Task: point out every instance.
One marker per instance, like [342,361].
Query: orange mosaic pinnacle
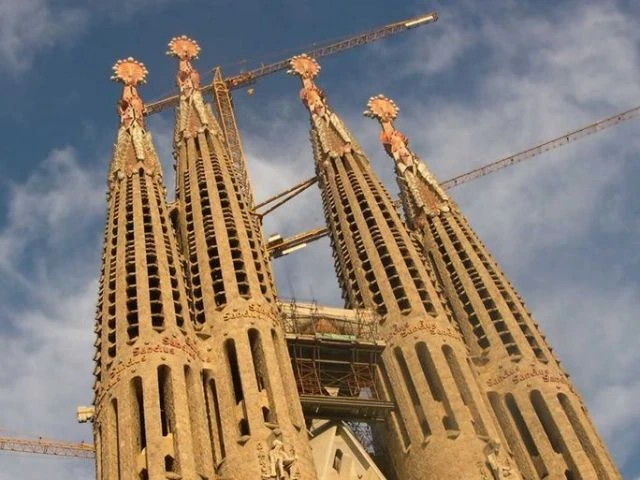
[202,373]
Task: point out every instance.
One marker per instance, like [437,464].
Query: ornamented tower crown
[255,417]
[441,428]
[540,414]
[148,394]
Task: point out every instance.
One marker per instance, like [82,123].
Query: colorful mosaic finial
[381,108]
[184,48]
[129,71]
[304,66]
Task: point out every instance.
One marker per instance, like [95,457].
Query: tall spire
[441,428]
[148,396]
[541,415]
[255,415]
[421,193]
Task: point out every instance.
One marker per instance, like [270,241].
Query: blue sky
[483,82]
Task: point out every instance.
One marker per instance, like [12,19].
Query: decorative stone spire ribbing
[254,417]
[541,415]
[442,428]
[148,394]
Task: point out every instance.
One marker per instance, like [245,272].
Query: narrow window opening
[547,421]
[583,436]
[463,389]
[413,393]
[243,426]
[337,460]
[165,394]
[435,385]
[214,401]
[525,435]
[140,437]
[169,464]
[232,360]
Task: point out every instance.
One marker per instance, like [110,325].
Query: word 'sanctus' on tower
[253,409]
[541,416]
[148,396]
[441,428]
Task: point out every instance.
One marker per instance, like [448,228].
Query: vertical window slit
[236,384]
[413,393]
[521,456]
[213,415]
[261,373]
[140,436]
[525,435]
[583,437]
[436,387]
[167,413]
[463,388]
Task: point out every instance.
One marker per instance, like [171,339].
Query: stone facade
[148,395]
[542,417]
[442,427]
[193,376]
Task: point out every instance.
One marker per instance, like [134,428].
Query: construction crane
[250,77]
[278,246]
[221,87]
[47,447]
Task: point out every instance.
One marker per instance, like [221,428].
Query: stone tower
[149,400]
[253,409]
[442,428]
[539,411]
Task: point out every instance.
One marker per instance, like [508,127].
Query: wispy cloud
[30,26]
[48,263]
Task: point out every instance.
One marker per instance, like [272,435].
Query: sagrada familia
[434,370]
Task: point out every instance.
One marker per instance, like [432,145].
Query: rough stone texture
[542,417]
[442,427]
[193,377]
[148,397]
[256,419]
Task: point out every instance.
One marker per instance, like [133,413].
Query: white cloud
[47,337]
[29,26]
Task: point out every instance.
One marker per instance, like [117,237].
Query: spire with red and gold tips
[254,404]
[539,411]
[441,427]
[149,400]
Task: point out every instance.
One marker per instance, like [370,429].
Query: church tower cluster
[194,376]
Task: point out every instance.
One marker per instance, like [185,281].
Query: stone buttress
[149,399]
[253,409]
[542,417]
[442,428]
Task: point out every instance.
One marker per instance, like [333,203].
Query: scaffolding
[335,355]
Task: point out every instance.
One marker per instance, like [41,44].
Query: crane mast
[223,106]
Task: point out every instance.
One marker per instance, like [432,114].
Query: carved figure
[280,463]
[130,72]
[499,471]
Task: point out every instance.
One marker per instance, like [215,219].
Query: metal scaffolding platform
[335,355]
